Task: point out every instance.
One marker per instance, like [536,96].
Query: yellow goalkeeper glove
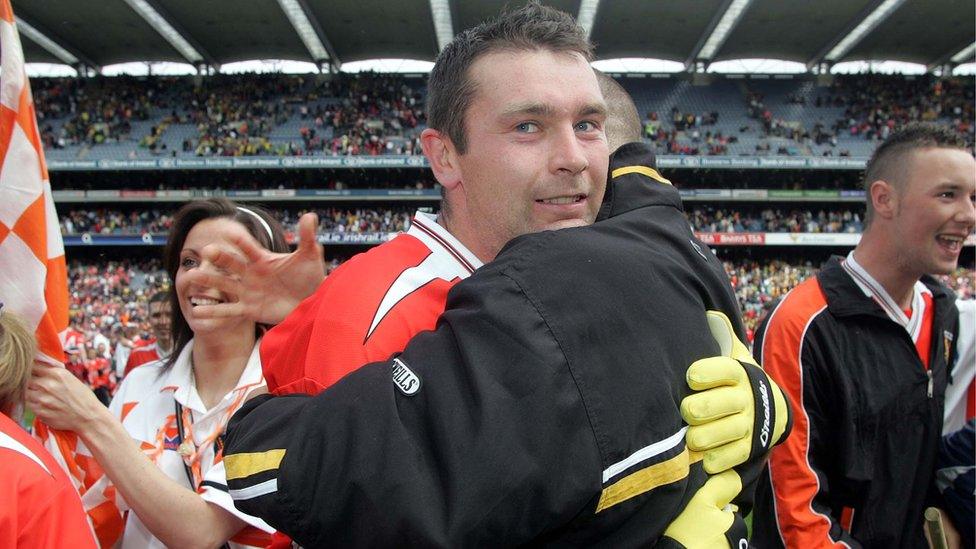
[709,520]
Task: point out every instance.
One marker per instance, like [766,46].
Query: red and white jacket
[367,309]
[39,507]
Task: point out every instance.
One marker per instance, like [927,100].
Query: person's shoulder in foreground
[366,309]
[39,507]
[543,409]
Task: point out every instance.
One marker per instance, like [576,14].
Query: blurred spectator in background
[100,376]
[160,317]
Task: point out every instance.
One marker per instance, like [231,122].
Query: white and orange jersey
[74,341]
[154,406]
[143,355]
[367,309]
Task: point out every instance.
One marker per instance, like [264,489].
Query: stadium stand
[704,218]
[371,114]
[773,220]
[241,115]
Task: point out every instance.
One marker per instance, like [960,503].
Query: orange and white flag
[33,276]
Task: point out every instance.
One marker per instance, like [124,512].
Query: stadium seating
[757,116]
[705,218]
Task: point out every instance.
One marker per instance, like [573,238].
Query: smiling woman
[195,226]
[156,443]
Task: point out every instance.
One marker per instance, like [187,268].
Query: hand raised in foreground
[268,285]
[61,400]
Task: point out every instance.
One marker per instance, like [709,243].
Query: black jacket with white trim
[868,413]
[543,409]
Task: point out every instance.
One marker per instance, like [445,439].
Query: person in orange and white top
[39,507]
[157,441]
[99,376]
[160,317]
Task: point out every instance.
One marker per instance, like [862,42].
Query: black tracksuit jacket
[866,429]
[543,409]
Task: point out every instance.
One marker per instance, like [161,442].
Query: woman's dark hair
[185,219]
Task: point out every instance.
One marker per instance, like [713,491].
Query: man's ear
[443,157]
[884,198]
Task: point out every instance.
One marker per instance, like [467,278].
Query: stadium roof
[216,32]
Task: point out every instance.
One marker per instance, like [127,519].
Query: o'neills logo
[764,434]
[404,378]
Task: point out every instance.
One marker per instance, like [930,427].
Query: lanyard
[188,449]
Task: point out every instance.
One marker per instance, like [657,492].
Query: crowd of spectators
[235,115]
[758,284]
[793,130]
[353,220]
[158,221]
[109,221]
[962,281]
[389,219]
[876,104]
[373,114]
[696,128]
[95,111]
[108,304]
[774,220]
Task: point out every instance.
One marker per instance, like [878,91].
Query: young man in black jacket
[863,351]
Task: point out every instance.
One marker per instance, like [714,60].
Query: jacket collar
[846,298]
[424,226]
[634,182]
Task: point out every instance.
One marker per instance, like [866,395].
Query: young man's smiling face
[935,211]
[536,155]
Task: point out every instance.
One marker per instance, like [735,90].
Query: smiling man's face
[935,211]
[536,156]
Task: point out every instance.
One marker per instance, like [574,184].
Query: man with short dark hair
[160,317]
[863,350]
[543,409]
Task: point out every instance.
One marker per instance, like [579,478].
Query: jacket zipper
[929,374]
